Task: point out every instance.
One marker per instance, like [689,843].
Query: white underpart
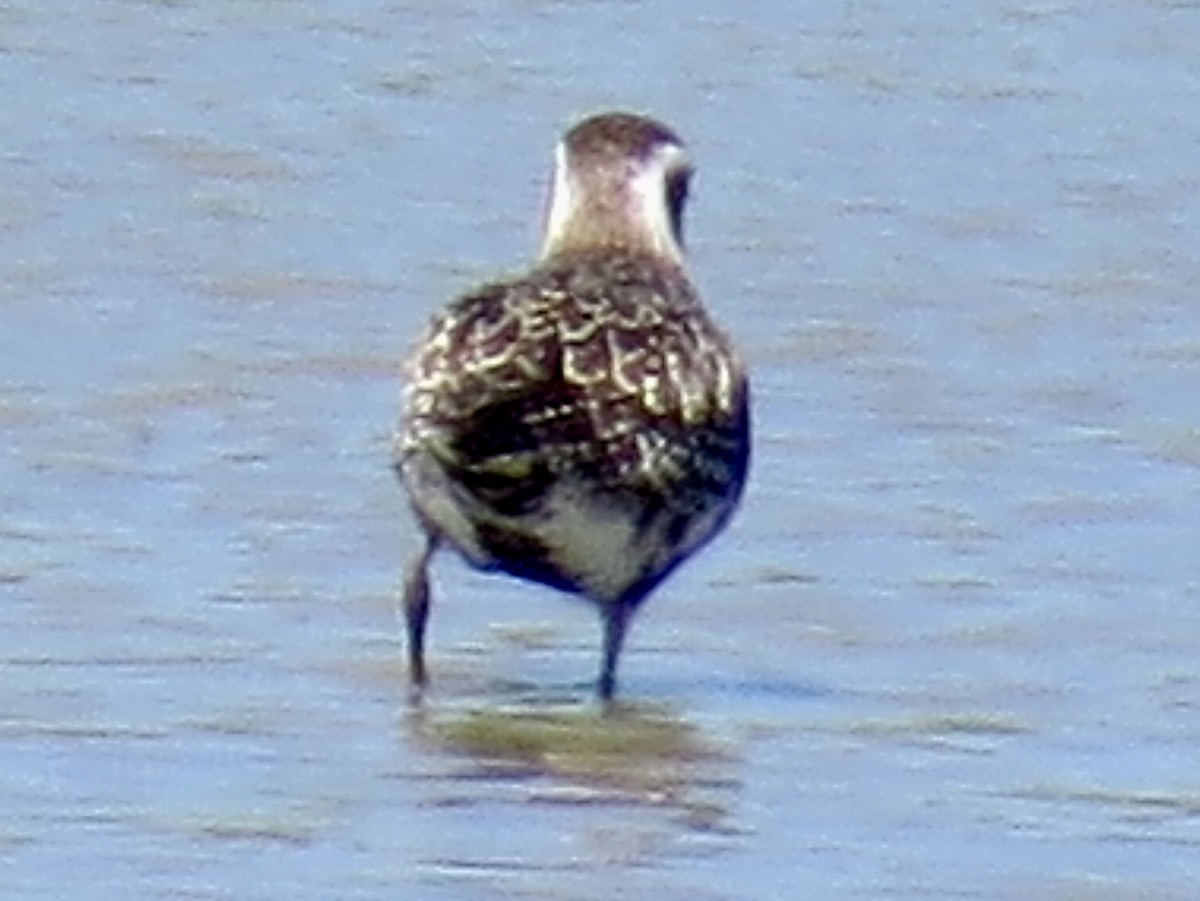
[585,535]
[594,541]
[598,543]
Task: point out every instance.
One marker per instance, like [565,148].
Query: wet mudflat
[948,649]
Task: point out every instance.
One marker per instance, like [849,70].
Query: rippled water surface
[948,649]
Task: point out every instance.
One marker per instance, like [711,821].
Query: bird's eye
[677,190]
[676,197]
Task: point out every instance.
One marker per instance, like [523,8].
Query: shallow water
[946,650]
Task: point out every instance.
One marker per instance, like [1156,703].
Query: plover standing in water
[586,425]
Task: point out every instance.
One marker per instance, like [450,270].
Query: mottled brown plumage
[585,426]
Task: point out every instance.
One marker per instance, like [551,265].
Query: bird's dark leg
[416,610]
[616,620]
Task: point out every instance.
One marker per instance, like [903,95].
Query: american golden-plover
[585,425]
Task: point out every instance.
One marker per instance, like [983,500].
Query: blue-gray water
[948,649]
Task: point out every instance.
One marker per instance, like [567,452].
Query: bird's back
[585,426]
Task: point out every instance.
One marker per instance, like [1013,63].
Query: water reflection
[538,752]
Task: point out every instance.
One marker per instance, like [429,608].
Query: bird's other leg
[616,621]
[416,610]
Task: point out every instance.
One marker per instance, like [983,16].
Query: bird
[584,425]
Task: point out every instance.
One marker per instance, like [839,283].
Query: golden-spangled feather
[602,365]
